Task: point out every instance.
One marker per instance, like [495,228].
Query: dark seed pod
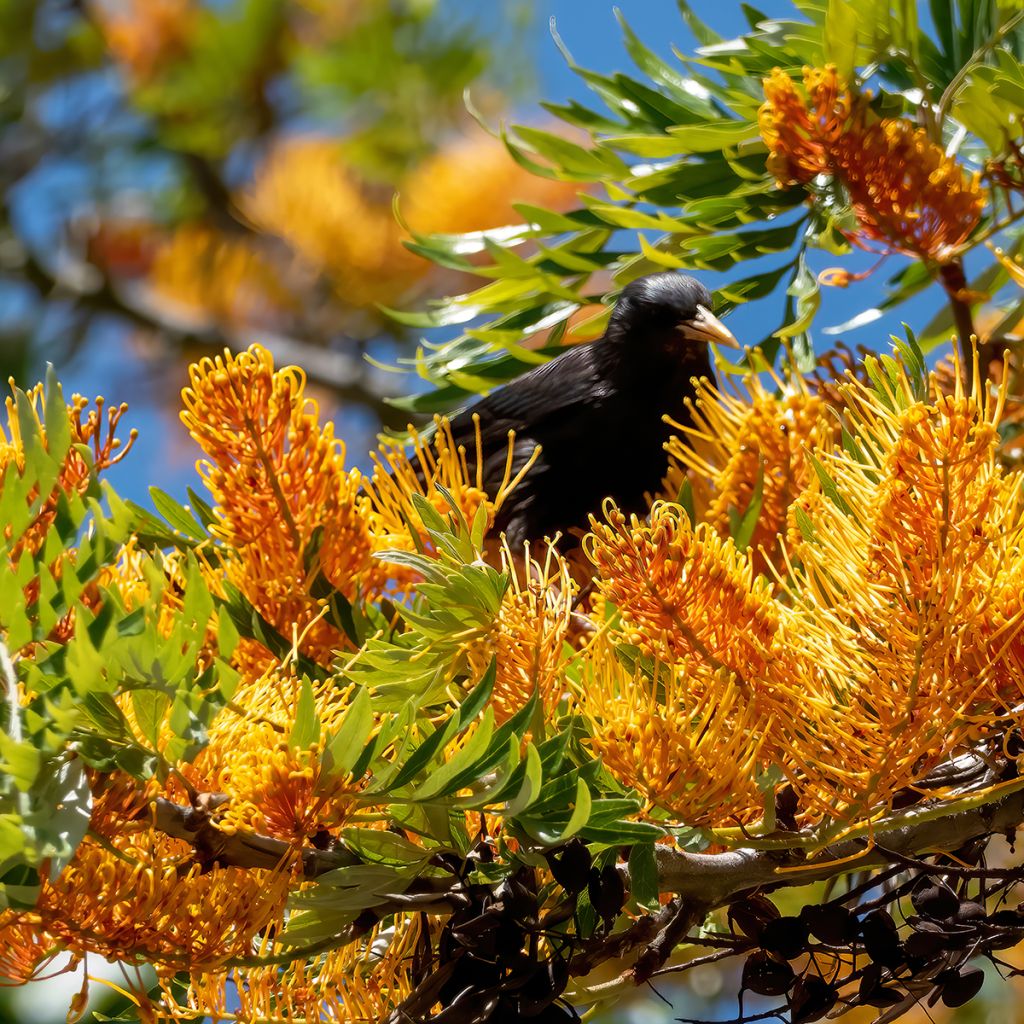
[786,936]
[962,986]
[928,939]
[935,901]
[571,867]
[881,940]
[607,892]
[873,993]
[811,999]
[969,911]
[1006,919]
[751,915]
[786,807]
[766,976]
[833,925]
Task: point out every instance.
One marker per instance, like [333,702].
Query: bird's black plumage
[596,411]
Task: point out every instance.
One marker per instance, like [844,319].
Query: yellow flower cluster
[279,481]
[306,193]
[894,636]
[739,440]
[903,188]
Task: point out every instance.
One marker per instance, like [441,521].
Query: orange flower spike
[277,476]
[689,740]
[149,898]
[903,188]
[799,132]
[735,439]
[683,592]
[905,191]
[529,636]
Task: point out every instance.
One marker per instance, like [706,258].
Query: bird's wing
[530,404]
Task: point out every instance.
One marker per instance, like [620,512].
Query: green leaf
[643,875]
[306,729]
[344,747]
[580,811]
[177,515]
[745,526]
[841,26]
[531,786]
[828,485]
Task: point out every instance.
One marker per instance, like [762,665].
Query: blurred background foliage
[203,172]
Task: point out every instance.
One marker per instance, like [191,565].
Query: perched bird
[596,411]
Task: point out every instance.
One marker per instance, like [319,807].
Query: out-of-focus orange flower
[205,272]
[903,188]
[144,34]
[305,193]
[279,479]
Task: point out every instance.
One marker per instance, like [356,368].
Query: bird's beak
[705,326]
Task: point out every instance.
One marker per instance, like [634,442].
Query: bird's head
[668,302]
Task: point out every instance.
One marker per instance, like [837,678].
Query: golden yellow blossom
[433,464]
[26,950]
[887,619]
[737,440]
[683,591]
[231,279]
[142,894]
[904,190]
[279,478]
[360,982]
[686,735]
[273,787]
[530,634]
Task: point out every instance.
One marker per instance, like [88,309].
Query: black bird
[596,411]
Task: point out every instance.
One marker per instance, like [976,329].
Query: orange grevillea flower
[26,950]
[800,132]
[687,736]
[529,636]
[227,278]
[279,480]
[897,590]
[274,787]
[361,981]
[93,428]
[905,191]
[683,591]
[433,464]
[903,188]
[142,894]
[736,441]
